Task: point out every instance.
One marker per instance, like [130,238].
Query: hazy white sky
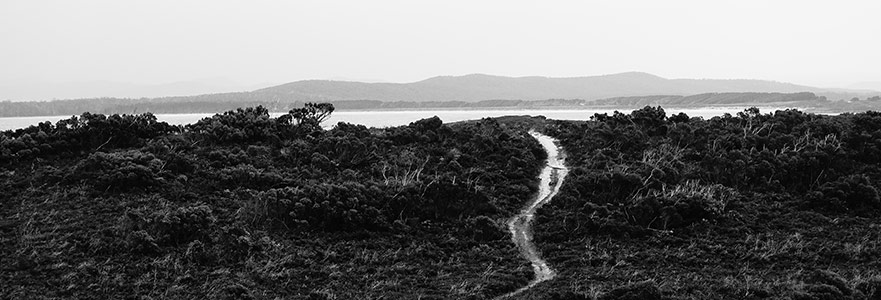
[822,43]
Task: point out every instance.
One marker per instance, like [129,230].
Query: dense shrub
[821,284]
[119,171]
[854,192]
[646,166]
[870,287]
[645,290]
[82,134]
[350,206]
[248,125]
[680,206]
[171,225]
[343,206]
[483,229]
[247,176]
[140,241]
[568,295]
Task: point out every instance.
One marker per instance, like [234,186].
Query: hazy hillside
[477,91]
[485,87]
[35,90]
[874,86]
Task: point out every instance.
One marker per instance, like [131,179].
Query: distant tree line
[274,103]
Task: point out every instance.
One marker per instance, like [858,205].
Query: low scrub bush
[171,226]
[645,290]
[327,206]
[246,175]
[853,192]
[680,205]
[119,171]
[484,229]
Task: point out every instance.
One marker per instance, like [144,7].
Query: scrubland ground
[753,206]
[241,205]
[244,206]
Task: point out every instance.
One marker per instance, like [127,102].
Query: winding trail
[551,177]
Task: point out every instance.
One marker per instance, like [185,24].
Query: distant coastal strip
[388,118]
[223,102]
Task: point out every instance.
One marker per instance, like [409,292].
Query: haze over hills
[40,90]
[873,86]
[467,88]
[479,91]
[477,87]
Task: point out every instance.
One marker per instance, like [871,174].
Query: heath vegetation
[241,205]
[782,205]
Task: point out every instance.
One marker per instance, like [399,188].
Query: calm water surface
[395,118]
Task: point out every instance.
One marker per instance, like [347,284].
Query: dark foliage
[646,290]
[733,207]
[120,171]
[852,192]
[653,172]
[244,205]
[81,134]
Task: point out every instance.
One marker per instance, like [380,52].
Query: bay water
[397,118]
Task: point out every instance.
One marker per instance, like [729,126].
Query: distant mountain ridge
[479,91]
[478,87]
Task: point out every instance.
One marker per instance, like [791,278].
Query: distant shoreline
[222,103]
[396,117]
[453,109]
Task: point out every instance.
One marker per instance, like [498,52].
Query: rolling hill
[477,91]
[477,87]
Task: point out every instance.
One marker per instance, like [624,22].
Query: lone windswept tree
[311,113]
[308,118]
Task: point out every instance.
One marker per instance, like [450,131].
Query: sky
[818,43]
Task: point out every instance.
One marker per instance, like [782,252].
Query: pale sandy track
[551,177]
